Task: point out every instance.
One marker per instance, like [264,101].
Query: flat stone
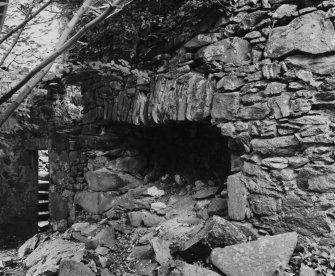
[225,107]
[230,50]
[275,162]
[79,226]
[28,246]
[280,106]
[158,206]
[323,183]
[5,262]
[104,180]
[73,268]
[274,88]
[237,197]
[101,250]
[205,193]
[308,223]
[186,269]
[221,233]
[93,202]
[155,192]
[257,111]
[47,256]
[135,218]
[250,20]
[297,161]
[162,251]
[106,238]
[310,33]
[230,83]
[322,65]
[307,271]
[202,40]
[285,145]
[261,257]
[285,10]
[264,205]
[151,220]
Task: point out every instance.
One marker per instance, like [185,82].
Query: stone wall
[264,76]
[18,191]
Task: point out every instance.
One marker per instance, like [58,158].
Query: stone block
[237,197]
[225,107]
[311,33]
[202,40]
[257,111]
[230,50]
[261,257]
[264,205]
[93,202]
[185,269]
[279,146]
[74,268]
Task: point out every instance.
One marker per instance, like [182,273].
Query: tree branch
[42,72]
[25,22]
[11,47]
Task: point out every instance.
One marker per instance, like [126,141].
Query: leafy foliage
[143,28]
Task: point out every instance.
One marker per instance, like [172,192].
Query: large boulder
[103,180]
[94,202]
[311,33]
[47,256]
[262,257]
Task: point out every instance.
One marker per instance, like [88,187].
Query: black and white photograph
[167,137]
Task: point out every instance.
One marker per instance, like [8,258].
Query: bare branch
[25,22]
[41,71]
[11,47]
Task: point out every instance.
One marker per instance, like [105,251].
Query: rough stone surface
[310,33]
[74,268]
[104,180]
[225,106]
[202,40]
[237,197]
[262,257]
[193,270]
[94,202]
[28,246]
[229,50]
[47,256]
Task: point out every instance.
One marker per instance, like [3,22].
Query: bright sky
[38,39]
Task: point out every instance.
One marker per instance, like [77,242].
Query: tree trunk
[29,82]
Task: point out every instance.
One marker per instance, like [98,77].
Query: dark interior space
[194,151]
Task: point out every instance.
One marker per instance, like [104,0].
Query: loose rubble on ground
[159,229]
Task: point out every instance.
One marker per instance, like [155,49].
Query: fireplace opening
[194,151]
[43,190]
